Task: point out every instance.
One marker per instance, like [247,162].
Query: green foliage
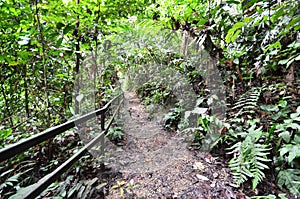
[278,111]
[289,178]
[248,143]
[71,188]
[206,134]
[173,118]
[153,92]
[246,106]
[125,186]
[251,147]
[4,133]
[233,33]
[39,43]
[293,52]
[288,148]
[291,151]
[13,179]
[290,127]
[115,133]
[204,122]
[281,196]
[250,157]
[268,31]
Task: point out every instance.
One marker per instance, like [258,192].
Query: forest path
[155,163]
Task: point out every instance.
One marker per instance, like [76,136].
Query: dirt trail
[155,163]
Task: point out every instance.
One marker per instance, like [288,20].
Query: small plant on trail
[125,186]
[172,119]
[206,134]
[115,134]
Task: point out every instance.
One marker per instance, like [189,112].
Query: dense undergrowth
[256,45]
[259,135]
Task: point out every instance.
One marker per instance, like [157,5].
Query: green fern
[250,154]
[259,157]
[248,102]
[250,158]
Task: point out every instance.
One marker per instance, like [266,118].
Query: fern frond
[258,163]
[247,103]
[250,160]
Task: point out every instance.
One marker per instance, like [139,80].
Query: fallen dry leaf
[201,177]
[199,166]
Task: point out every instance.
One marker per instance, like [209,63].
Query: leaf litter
[154,163]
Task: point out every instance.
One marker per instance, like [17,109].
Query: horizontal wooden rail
[42,184]
[13,149]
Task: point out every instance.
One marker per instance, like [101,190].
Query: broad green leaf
[294,153]
[285,149]
[278,14]
[294,126]
[297,19]
[283,62]
[276,45]
[282,103]
[22,192]
[236,34]
[295,45]
[285,136]
[232,32]
[4,133]
[238,25]
[296,139]
[290,62]
[270,108]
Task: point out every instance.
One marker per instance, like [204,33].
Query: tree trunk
[6,106]
[44,63]
[77,64]
[26,92]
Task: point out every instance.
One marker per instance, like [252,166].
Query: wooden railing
[13,149]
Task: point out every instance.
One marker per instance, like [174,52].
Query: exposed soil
[154,163]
